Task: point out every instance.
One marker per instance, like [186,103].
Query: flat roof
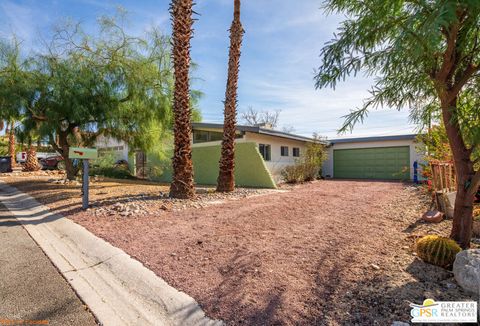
[254,129]
[372,139]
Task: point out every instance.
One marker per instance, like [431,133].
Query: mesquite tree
[423,55]
[226,176]
[110,83]
[182,179]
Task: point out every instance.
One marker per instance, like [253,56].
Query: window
[215,136]
[265,151]
[203,136]
[296,152]
[200,136]
[284,150]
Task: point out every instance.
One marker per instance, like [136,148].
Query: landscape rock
[433,217]
[400,323]
[374,266]
[466,270]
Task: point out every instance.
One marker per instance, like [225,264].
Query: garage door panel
[372,163]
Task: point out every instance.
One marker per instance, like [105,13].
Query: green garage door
[372,163]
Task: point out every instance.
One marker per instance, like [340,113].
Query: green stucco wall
[250,168]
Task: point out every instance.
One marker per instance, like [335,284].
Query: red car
[52,163]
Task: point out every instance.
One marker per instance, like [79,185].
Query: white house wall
[277,162]
[327,169]
[118,147]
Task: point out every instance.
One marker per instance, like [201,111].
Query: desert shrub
[105,160]
[436,250]
[310,171]
[3,146]
[292,174]
[309,166]
[105,166]
[115,172]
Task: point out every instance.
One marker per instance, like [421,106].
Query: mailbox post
[85,154]
[85,184]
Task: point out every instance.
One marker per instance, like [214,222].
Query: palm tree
[26,134]
[226,177]
[182,181]
[31,163]
[11,144]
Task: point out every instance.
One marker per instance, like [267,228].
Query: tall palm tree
[182,181]
[226,177]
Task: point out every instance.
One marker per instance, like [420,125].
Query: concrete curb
[118,289]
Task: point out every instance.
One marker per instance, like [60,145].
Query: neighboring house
[278,149]
[109,145]
[120,150]
[386,157]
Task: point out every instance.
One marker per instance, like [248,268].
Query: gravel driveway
[323,253]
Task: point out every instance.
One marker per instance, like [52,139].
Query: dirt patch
[324,253]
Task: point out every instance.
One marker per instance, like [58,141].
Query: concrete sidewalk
[31,288]
[118,289]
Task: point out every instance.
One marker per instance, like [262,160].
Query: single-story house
[262,153]
[385,157]
[277,149]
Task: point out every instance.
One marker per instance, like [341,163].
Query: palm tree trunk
[11,145]
[182,181]
[226,176]
[31,163]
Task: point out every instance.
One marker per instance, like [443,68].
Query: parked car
[22,156]
[52,162]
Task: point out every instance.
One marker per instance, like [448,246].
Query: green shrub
[308,167]
[105,166]
[3,146]
[436,250]
[292,174]
[112,172]
[310,171]
[105,160]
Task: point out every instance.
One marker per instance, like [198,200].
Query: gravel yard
[113,197]
[324,253]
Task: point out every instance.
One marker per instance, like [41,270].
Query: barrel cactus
[436,250]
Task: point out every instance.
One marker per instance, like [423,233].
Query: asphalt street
[32,291]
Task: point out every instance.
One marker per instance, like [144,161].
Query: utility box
[5,164]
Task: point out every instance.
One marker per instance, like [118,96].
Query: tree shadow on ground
[381,299]
[234,293]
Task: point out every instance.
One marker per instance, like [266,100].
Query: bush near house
[309,166]
[107,166]
[4,146]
